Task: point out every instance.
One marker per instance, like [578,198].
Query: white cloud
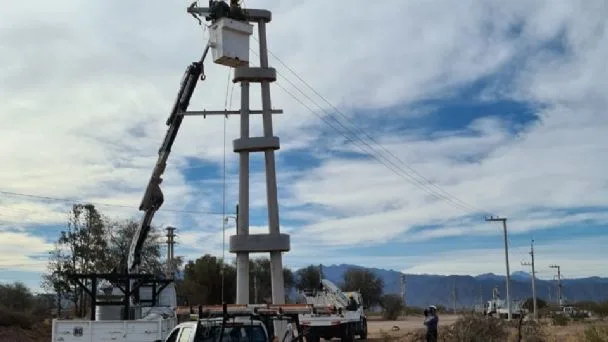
[22,251]
[578,258]
[86,103]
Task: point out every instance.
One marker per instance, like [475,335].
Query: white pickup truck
[246,323]
[210,330]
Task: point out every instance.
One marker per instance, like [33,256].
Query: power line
[440,193]
[67,200]
[369,136]
[394,168]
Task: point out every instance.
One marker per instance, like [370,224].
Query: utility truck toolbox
[125,331]
[229,42]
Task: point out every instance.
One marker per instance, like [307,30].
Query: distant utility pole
[504,226]
[403,292]
[170,267]
[560,301]
[533,278]
[454,297]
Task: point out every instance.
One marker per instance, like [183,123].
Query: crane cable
[224,186]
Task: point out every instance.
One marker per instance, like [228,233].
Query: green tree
[202,283]
[366,282]
[16,297]
[81,248]
[392,306]
[120,233]
[308,277]
[92,243]
[259,270]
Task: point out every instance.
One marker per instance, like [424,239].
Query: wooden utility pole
[504,227]
[533,279]
[403,289]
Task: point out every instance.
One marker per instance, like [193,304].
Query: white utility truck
[149,323]
[154,330]
[498,307]
[331,316]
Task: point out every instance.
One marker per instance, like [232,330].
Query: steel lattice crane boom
[153,196]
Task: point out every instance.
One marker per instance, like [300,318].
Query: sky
[405,124]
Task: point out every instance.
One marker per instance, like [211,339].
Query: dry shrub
[595,333]
[559,320]
[10,318]
[475,328]
[532,332]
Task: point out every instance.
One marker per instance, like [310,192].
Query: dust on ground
[379,330]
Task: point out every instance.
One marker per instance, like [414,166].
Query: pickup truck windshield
[241,333]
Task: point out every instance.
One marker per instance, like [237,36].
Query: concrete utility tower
[508,274]
[229,40]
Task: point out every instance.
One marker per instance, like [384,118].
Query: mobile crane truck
[331,316]
[142,307]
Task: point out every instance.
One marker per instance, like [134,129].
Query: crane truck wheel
[363,334]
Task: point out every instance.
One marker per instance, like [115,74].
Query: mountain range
[424,290]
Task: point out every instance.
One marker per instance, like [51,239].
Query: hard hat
[433,307]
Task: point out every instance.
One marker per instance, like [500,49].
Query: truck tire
[347,333]
[363,331]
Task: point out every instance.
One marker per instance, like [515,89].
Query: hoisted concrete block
[229,42]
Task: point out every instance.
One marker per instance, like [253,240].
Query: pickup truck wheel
[363,334]
[348,333]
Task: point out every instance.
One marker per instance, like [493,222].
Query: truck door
[184,335]
[173,336]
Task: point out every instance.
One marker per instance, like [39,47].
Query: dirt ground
[378,328]
[411,329]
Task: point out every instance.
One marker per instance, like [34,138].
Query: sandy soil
[409,324]
[406,324]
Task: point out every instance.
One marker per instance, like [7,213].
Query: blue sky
[500,105]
